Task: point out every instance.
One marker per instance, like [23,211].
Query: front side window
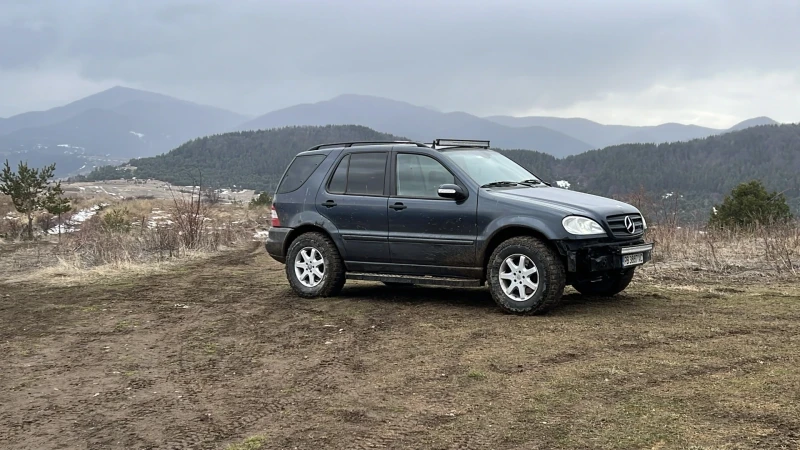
[487,166]
[359,174]
[420,176]
[298,172]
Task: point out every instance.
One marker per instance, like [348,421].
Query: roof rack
[460,143]
[350,144]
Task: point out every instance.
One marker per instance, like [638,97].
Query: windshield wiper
[533,181]
[500,184]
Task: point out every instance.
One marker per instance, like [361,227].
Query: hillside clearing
[220,350]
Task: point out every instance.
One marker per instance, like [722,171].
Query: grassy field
[218,352]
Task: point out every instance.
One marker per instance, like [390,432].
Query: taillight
[276,222]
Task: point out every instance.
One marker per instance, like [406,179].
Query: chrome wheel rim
[519,277]
[309,267]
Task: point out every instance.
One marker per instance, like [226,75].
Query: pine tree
[748,204]
[29,189]
[57,205]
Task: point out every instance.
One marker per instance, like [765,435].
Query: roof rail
[460,143]
[350,144]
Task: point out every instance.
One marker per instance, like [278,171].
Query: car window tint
[338,182]
[366,173]
[420,176]
[299,170]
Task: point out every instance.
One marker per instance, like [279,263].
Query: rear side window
[298,172]
[359,174]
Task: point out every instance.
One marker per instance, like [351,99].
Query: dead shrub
[760,247]
[189,214]
[11,229]
[45,221]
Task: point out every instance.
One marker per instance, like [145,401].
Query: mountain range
[121,123]
[113,125]
[599,135]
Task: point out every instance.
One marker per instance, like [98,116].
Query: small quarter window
[299,171]
[338,182]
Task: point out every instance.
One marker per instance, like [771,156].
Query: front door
[355,202]
[425,229]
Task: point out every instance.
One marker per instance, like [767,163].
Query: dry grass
[71,271]
[765,250]
[127,237]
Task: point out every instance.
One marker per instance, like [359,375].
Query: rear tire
[314,267]
[609,286]
[525,276]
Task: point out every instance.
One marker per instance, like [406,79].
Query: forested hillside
[703,170]
[714,164]
[250,159]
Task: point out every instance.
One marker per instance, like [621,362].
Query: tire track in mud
[253,335]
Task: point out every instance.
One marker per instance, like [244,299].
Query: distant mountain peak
[415,122]
[754,122]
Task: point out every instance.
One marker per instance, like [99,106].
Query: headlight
[582,225]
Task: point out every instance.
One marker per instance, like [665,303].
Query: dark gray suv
[452,213]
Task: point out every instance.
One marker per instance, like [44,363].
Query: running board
[411,279]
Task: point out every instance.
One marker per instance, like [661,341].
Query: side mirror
[453,191]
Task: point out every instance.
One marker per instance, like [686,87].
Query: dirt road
[221,351]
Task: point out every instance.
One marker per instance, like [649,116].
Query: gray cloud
[503,56]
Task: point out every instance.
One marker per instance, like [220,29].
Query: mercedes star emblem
[629,225]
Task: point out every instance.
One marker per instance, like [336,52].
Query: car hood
[569,202]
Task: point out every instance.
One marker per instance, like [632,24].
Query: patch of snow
[74,222]
[564,184]
[667,195]
[139,135]
[261,235]
[63,145]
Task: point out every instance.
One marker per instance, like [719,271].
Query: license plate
[632,260]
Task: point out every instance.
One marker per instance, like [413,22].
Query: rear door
[354,199]
[425,229]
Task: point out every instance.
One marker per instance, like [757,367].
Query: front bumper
[602,257]
[275,243]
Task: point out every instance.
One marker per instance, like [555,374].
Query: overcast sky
[708,62]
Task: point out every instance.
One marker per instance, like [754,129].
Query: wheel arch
[307,228]
[507,232]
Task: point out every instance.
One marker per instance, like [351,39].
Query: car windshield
[487,166]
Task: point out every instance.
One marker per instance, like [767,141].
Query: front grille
[617,225]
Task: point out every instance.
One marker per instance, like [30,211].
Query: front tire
[525,276]
[611,285]
[314,267]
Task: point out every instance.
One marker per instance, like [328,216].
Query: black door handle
[329,204]
[398,206]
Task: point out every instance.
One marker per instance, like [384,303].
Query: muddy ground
[220,351]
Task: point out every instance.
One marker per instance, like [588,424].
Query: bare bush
[45,221]
[211,195]
[774,247]
[95,245]
[189,214]
[11,228]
